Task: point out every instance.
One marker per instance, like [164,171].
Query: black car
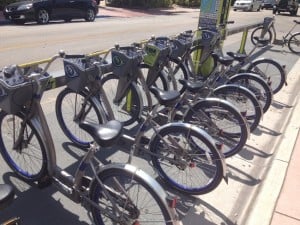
[290,6]
[42,11]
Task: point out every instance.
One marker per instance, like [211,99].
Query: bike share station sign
[213,13]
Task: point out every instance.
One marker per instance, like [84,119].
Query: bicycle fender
[148,179]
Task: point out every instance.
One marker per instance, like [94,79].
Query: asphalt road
[228,204]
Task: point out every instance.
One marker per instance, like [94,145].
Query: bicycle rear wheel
[27,159]
[186,158]
[257,85]
[129,109]
[137,201]
[294,43]
[222,121]
[244,100]
[69,105]
[271,71]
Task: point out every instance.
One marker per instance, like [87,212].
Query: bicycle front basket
[125,59]
[15,91]
[79,72]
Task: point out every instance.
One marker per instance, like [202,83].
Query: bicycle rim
[28,160]
[142,207]
[68,105]
[187,160]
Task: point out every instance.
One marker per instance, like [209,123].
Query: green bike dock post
[213,13]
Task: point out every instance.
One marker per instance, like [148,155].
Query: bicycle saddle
[6,195]
[194,86]
[166,98]
[237,56]
[224,60]
[104,134]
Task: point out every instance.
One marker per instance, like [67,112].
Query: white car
[247,5]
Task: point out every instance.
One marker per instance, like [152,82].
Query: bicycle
[267,32]
[175,148]
[238,95]
[113,192]
[6,197]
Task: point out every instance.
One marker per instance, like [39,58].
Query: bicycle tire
[271,71]
[68,104]
[244,100]
[197,170]
[29,160]
[258,86]
[294,43]
[180,72]
[161,82]
[202,69]
[127,111]
[222,121]
[146,193]
[257,32]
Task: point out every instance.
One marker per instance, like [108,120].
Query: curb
[260,210]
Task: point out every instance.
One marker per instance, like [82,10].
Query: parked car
[268,4]
[247,5]
[42,11]
[290,6]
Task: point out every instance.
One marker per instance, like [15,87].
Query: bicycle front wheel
[186,159]
[129,109]
[271,71]
[222,121]
[244,100]
[132,200]
[70,108]
[27,157]
[294,43]
[257,33]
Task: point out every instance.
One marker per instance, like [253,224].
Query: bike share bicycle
[184,156]
[114,194]
[267,33]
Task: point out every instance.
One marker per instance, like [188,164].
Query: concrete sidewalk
[278,200]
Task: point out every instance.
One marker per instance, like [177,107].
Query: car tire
[90,15]
[234,9]
[42,16]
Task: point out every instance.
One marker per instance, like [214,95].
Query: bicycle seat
[6,195]
[237,56]
[166,98]
[104,134]
[224,60]
[193,87]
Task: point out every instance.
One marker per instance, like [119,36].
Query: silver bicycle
[113,194]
